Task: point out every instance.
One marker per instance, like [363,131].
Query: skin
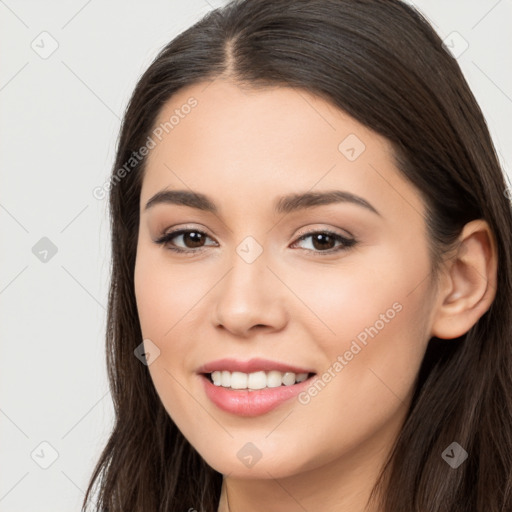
[244,148]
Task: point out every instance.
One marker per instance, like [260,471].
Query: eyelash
[346,243]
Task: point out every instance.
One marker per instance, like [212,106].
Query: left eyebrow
[294,202]
[184,198]
[284,204]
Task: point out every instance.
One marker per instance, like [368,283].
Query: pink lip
[244,402]
[253,365]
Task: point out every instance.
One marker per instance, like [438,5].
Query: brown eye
[195,239]
[191,239]
[325,242]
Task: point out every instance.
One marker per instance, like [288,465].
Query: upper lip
[253,365]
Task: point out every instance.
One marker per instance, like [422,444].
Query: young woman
[311,295]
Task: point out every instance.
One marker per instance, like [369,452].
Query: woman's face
[267,276]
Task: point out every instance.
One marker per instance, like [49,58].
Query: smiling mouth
[256,380]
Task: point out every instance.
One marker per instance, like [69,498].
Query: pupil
[318,239]
[195,237]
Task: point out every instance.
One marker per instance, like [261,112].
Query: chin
[248,462]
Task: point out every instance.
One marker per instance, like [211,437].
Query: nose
[249,299]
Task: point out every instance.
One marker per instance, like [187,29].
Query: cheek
[377,319]
[165,299]
[362,291]
[164,294]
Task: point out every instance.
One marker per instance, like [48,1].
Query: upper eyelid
[307,233]
[185,229]
[200,227]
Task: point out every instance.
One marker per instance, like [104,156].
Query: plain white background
[59,121]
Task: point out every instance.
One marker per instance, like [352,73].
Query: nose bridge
[249,294]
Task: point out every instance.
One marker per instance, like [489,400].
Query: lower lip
[251,403]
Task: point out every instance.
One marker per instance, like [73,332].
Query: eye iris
[318,237]
[195,237]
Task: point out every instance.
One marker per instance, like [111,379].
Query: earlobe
[470,280]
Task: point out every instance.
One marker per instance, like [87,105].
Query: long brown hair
[382,63]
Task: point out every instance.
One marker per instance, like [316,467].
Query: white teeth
[289,378]
[256,380]
[239,380]
[274,379]
[226,379]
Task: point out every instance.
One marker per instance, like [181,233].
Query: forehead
[250,145]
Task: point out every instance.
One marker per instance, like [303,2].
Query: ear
[468,283]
